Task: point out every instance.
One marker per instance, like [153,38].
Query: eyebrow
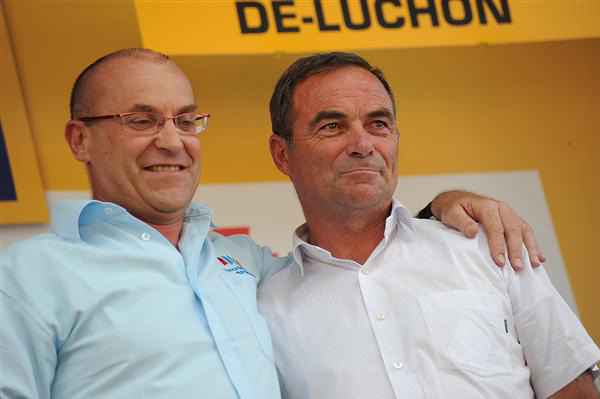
[381,113]
[149,108]
[325,115]
[188,108]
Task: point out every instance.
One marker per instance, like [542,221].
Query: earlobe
[77,140]
[279,152]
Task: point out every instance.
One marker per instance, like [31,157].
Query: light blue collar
[69,215]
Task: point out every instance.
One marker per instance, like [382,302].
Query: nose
[360,143]
[168,138]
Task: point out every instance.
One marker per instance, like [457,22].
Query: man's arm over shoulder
[581,387]
[264,264]
[504,228]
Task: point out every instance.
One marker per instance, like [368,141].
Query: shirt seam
[30,314]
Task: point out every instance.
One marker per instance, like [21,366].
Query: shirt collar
[399,216]
[69,215]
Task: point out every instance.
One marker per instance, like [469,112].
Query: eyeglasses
[149,122]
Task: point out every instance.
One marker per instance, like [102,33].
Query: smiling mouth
[164,168]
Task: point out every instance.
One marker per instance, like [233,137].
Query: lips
[360,170]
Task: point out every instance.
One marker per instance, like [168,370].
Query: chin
[171,204]
[365,202]
[365,198]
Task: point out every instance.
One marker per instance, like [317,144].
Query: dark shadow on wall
[7,184]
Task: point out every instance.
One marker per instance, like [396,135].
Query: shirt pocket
[467,331]
[243,288]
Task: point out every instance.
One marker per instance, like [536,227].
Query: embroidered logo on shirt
[233,265]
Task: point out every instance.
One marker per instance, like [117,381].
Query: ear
[280,152]
[77,138]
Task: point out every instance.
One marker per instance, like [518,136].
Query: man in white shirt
[378,305]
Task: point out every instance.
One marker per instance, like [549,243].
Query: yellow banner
[262,26]
[21,192]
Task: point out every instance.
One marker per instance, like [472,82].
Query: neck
[169,224]
[352,237]
[170,231]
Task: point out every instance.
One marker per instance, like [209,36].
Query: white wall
[271,210]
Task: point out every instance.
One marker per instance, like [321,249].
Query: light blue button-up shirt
[105,307]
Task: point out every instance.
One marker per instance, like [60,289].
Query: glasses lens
[191,123]
[142,121]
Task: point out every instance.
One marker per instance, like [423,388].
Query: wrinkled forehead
[341,87]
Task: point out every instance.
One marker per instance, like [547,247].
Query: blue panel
[7,184]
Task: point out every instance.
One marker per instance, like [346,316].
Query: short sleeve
[556,346]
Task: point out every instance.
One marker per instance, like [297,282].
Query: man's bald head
[82,95]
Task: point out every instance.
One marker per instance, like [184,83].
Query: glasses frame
[199,115]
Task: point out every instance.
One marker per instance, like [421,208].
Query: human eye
[380,126]
[140,121]
[187,122]
[330,129]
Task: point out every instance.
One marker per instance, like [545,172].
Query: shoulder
[428,228]
[447,252]
[37,274]
[435,234]
[37,257]
[238,245]
[43,265]
[283,282]
[241,248]
[43,247]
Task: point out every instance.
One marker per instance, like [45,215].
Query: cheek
[389,151]
[193,147]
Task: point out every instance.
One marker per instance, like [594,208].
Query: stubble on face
[344,155]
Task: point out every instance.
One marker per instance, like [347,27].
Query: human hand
[462,210]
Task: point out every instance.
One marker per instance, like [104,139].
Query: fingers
[513,234]
[491,220]
[471,229]
[458,218]
[503,227]
[535,255]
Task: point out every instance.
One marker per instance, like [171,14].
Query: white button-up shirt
[429,315]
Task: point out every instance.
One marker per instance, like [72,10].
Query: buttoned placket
[395,361]
[378,317]
[193,249]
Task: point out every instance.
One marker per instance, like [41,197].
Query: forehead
[345,89]
[122,83]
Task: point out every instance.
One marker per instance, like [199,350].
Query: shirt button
[365,271]
[108,211]
[398,365]
[381,316]
[145,236]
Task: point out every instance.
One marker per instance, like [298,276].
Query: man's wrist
[426,213]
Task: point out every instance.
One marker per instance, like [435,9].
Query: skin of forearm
[582,387]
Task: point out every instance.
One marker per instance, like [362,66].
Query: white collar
[399,216]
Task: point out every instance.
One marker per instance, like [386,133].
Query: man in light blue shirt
[106,307]
[131,295]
